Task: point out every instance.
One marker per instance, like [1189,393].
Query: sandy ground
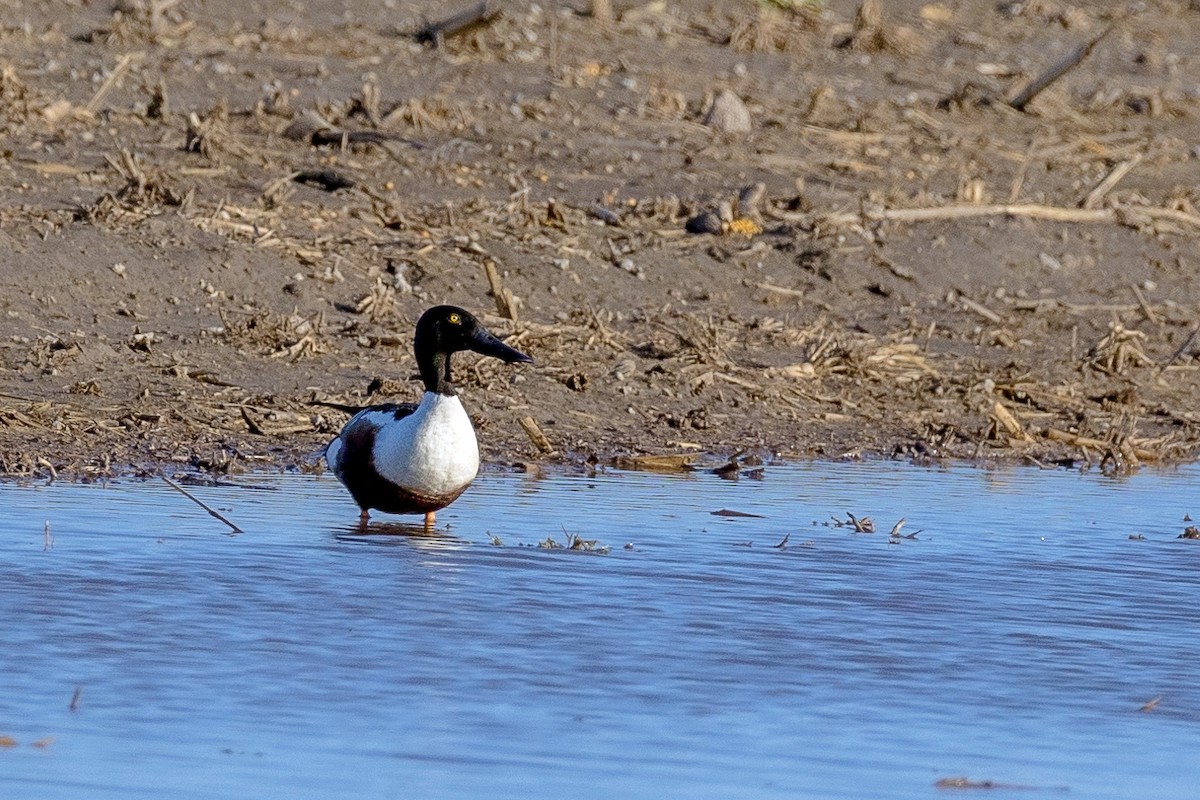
[213,213]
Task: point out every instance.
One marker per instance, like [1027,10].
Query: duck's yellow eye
[455,319]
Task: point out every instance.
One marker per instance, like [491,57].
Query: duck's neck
[435,373]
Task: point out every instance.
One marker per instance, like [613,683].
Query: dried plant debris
[40,744]
[958,782]
[377,304]
[1055,71]
[292,337]
[143,194]
[872,33]
[856,524]
[778,26]
[213,137]
[1151,704]
[158,22]
[575,542]
[1119,350]
[678,462]
[897,536]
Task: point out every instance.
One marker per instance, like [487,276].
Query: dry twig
[1040,83]
[200,503]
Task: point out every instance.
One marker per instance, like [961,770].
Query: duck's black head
[443,330]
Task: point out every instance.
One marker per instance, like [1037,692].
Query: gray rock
[705,222]
[728,114]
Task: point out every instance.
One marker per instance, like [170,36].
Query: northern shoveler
[406,458]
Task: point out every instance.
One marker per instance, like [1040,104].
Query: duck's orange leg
[430,516]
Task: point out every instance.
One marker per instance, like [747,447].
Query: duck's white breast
[431,451]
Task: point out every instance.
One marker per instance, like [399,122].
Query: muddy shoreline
[213,216]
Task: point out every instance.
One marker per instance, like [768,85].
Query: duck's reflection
[416,534]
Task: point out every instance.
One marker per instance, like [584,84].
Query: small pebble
[633,269]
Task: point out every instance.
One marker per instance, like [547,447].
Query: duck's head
[443,330]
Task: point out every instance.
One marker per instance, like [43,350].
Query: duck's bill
[485,343]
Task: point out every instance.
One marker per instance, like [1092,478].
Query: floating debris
[729,470]
[729,512]
[967,783]
[860,525]
[212,512]
[575,542]
[897,536]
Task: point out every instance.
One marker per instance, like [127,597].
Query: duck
[417,458]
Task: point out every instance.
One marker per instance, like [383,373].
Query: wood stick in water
[200,503]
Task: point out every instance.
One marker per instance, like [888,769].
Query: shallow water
[1014,640]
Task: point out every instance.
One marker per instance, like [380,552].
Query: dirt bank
[213,213]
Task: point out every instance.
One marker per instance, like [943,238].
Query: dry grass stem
[118,72]
[1096,196]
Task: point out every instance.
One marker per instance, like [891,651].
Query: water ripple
[1014,639]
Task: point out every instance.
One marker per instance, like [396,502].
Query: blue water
[1014,640]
